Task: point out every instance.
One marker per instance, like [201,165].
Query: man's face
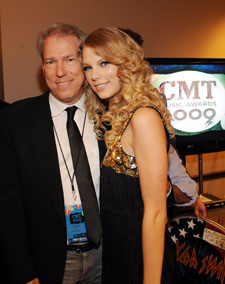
[62,68]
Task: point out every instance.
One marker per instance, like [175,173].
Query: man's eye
[104,63]
[49,62]
[86,68]
[70,59]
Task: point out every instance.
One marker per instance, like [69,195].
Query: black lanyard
[64,159]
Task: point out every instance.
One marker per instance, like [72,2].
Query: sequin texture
[118,160]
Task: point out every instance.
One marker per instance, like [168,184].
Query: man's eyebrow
[48,58]
[63,57]
[70,55]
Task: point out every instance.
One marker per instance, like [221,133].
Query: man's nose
[60,69]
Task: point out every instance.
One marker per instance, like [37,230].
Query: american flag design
[200,250]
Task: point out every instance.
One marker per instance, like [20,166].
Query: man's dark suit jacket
[31,195]
[3,104]
[3,274]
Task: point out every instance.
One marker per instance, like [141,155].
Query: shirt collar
[58,107]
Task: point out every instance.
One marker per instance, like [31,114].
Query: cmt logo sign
[195,100]
[192,92]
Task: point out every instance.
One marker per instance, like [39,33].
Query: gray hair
[60,29]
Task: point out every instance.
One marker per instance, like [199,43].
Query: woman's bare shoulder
[145,115]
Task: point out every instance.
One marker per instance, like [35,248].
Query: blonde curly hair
[134,73]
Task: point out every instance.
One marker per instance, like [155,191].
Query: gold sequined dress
[122,214]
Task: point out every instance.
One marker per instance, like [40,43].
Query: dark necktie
[84,179]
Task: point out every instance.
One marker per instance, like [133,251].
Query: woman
[131,117]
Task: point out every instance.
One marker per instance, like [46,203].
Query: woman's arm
[149,145]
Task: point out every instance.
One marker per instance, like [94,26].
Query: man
[3,274]
[43,237]
[184,188]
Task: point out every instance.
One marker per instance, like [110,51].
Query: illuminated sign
[196,100]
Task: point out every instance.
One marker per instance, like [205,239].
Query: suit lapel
[42,137]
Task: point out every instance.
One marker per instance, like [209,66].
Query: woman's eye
[86,68]
[104,63]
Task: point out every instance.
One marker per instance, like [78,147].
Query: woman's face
[101,74]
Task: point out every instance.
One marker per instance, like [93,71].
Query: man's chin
[68,99]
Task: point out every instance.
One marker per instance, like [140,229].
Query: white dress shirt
[179,176]
[59,117]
